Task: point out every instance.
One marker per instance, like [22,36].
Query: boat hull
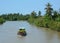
[22,33]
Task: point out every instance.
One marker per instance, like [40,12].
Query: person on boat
[22,30]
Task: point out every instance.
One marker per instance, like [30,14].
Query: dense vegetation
[15,17]
[2,20]
[51,18]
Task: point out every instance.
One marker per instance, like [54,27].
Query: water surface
[8,33]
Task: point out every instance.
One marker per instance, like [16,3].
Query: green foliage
[48,20]
[55,15]
[49,9]
[2,20]
[39,22]
[58,26]
[15,17]
[33,14]
[31,20]
[45,22]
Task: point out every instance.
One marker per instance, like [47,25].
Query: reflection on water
[8,33]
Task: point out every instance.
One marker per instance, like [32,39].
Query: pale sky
[26,6]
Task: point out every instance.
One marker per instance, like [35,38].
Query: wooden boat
[22,32]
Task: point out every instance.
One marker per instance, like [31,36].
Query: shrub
[2,20]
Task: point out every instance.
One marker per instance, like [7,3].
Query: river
[8,33]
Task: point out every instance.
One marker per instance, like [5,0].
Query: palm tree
[49,9]
[33,14]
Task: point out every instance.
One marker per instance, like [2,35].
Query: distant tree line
[15,17]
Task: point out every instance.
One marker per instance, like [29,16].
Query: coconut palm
[49,9]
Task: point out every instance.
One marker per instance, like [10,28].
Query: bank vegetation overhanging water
[51,18]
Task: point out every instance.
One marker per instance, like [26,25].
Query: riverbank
[42,22]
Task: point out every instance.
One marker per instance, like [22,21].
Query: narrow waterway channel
[8,33]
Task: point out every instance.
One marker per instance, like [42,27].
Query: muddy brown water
[8,33]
